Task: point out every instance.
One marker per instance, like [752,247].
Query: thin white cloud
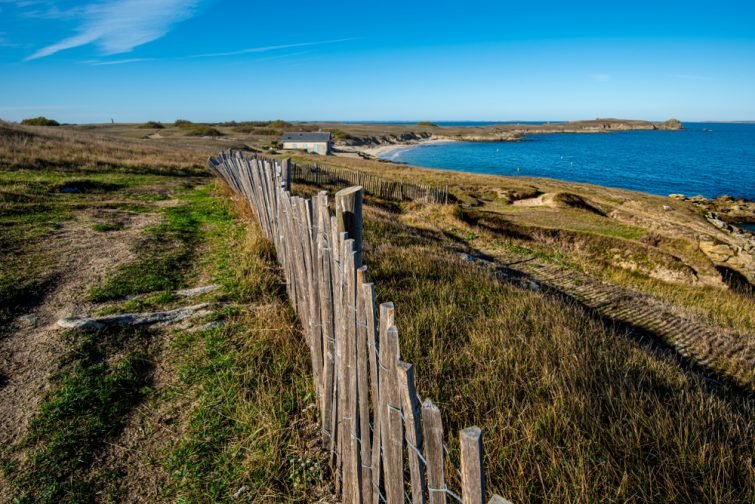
[117,26]
[251,50]
[115,62]
[600,77]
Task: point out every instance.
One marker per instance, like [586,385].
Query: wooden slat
[413,428]
[363,392]
[351,419]
[328,334]
[392,425]
[349,216]
[432,430]
[472,480]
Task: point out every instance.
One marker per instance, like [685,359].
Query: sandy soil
[385,151]
[32,350]
[542,200]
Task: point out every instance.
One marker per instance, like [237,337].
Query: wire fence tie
[446,490]
[416,450]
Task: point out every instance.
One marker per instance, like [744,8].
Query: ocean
[709,159]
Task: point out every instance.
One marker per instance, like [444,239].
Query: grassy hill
[575,404]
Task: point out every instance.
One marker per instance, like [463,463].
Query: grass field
[574,409]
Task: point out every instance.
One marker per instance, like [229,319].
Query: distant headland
[374,140]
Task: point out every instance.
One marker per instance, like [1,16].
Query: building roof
[302,136]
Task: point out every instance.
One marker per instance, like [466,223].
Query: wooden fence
[334,178]
[386,444]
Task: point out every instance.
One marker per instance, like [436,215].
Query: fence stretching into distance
[374,185]
[385,444]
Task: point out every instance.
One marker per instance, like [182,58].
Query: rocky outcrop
[499,136]
[726,208]
[671,124]
[738,254]
[602,126]
[374,141]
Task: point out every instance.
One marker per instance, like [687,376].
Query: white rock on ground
[196,291]
[146,318]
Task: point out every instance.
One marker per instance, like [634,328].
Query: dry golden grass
[38,147]
[572,410]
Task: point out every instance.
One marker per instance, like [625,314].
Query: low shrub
[339,134]
[40,121]
[203,130]
[267,132]
[279,124]
[152,125]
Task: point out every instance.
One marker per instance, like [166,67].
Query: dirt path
[32,349]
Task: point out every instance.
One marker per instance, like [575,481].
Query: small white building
[317,142]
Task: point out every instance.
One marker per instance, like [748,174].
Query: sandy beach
[384,151]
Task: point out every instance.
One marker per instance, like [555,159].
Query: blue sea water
[710,159]
[451,123]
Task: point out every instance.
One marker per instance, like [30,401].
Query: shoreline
[381,152]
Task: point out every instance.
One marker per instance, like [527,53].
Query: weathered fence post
[410,406]
[349,217]
[472,477]
[362,380]
[432,429]
[286,174]
[392,428]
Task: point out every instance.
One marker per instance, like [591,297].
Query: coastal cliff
[389,139]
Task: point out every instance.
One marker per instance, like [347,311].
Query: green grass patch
[89,405]
[247,382]
[149,196]
[167,252]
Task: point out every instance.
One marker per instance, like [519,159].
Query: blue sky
[215,60]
